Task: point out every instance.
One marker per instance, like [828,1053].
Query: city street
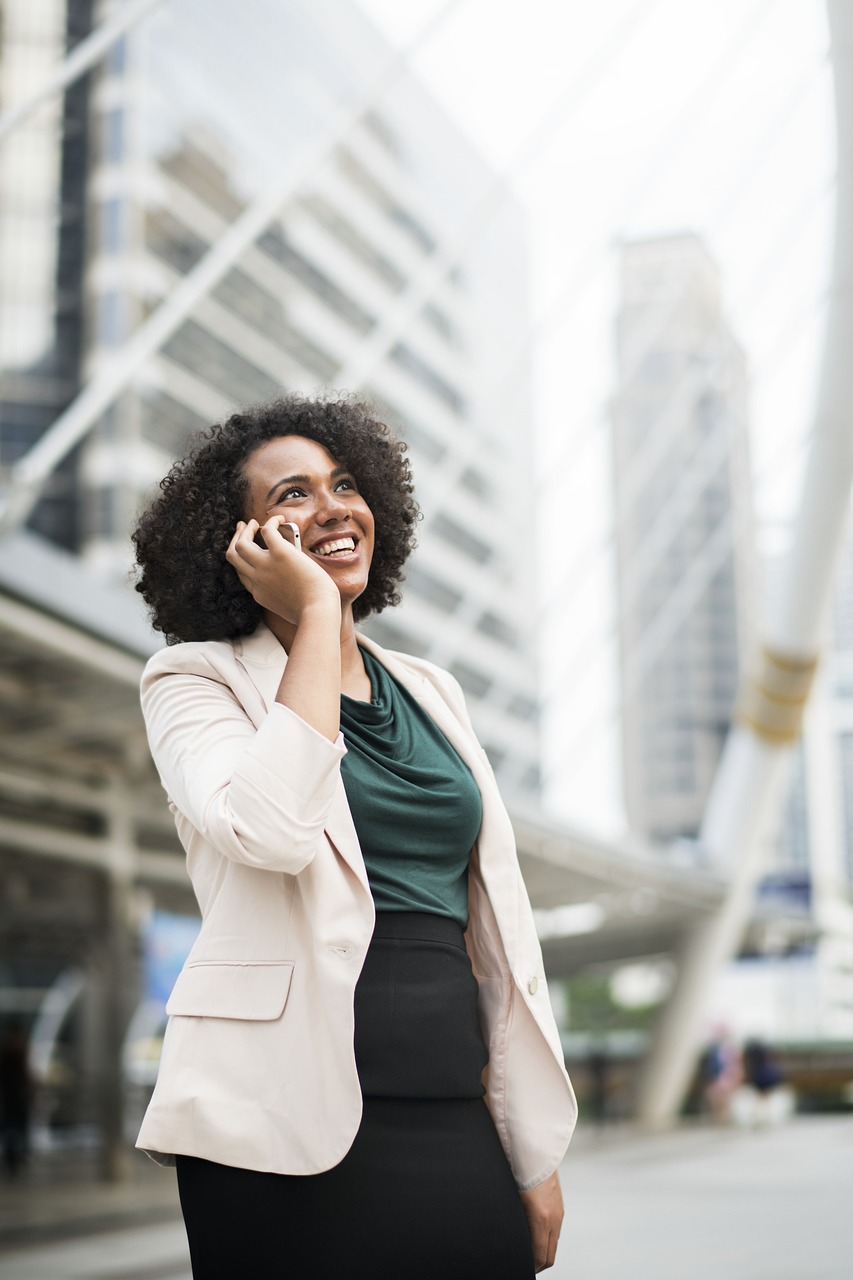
[698,1204]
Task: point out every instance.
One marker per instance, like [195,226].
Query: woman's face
[296,479]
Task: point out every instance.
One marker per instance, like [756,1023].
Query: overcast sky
[652,117]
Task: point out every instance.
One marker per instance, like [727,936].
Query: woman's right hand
[281,579]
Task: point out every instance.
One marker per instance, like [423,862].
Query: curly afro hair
[181,538]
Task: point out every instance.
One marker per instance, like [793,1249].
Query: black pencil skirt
[425,1191]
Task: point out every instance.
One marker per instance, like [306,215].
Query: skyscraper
[683,529]
[192,118]
[44,169]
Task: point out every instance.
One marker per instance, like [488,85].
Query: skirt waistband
[420,926]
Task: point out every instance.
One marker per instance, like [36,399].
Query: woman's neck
[354,678]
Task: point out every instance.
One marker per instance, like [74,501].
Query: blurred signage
[785,893]
[166,942]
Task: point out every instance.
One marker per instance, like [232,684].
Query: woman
[367,972]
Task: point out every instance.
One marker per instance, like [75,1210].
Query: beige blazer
[257,1067]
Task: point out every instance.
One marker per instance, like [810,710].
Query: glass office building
[683,517]
[196,114]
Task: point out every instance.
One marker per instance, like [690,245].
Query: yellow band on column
[772,702]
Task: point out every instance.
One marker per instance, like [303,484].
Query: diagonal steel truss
[31,472]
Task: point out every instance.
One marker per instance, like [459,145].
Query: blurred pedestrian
[15,1095]
[761,1070]
[769,1101]
[722,1073]
[361,1070]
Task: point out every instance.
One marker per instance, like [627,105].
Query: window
[471,680]
[425,443]
[112,225]
[521,707]
[475,482]
[204,176]
[531,780]
[469,543]
[117,57]
[111,318]
[167,423]
[360,177]
[112,135]
[394,637]
[173,241]
[428,587]
[414,364]
[205,355]
[252,303]
[498,629]
[349,236]
[440,321]
[276,245]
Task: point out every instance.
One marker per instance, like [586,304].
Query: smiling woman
[181,539]
[361,1072]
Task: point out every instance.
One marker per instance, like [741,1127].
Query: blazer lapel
[433,703]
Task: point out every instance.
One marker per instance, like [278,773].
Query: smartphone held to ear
[288,530]
[291,531]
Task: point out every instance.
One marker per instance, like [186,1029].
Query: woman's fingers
[543,1206]
[242,541]
[273,572]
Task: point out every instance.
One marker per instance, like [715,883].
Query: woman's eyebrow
[338,471]
[288,480]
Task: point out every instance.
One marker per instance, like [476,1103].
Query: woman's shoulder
[193,657]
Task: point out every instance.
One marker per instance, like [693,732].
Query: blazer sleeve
[260,796]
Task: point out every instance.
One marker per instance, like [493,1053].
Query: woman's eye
[290,493]
[345,484]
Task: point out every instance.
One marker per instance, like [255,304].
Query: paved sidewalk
[60,1195]
[711,1204]
[694,1204]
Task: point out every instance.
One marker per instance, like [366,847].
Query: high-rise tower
[683,529]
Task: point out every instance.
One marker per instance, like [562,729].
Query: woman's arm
[304,599]
[543,1206]
[259,793]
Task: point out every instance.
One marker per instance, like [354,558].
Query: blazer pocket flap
[255,991]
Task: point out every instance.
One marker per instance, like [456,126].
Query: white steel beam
[81,59]
[69,642]
[572,294]
[752,770]
[399,316]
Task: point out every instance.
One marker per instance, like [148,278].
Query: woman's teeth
[330,548]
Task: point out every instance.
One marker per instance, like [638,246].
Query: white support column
[753,767]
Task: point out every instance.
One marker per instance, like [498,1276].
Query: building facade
[683,540]
[44,167]
[190,120]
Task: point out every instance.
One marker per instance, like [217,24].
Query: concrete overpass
[77,785]
[88,848]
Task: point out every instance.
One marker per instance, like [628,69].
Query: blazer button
[533,985]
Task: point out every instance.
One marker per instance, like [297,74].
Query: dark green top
[415,805]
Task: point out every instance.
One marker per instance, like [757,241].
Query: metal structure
[76,784]
[89,848]
[753,768]
[30,473]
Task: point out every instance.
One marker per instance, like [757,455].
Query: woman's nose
[332,507]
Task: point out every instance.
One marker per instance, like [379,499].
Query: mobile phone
[290,531]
